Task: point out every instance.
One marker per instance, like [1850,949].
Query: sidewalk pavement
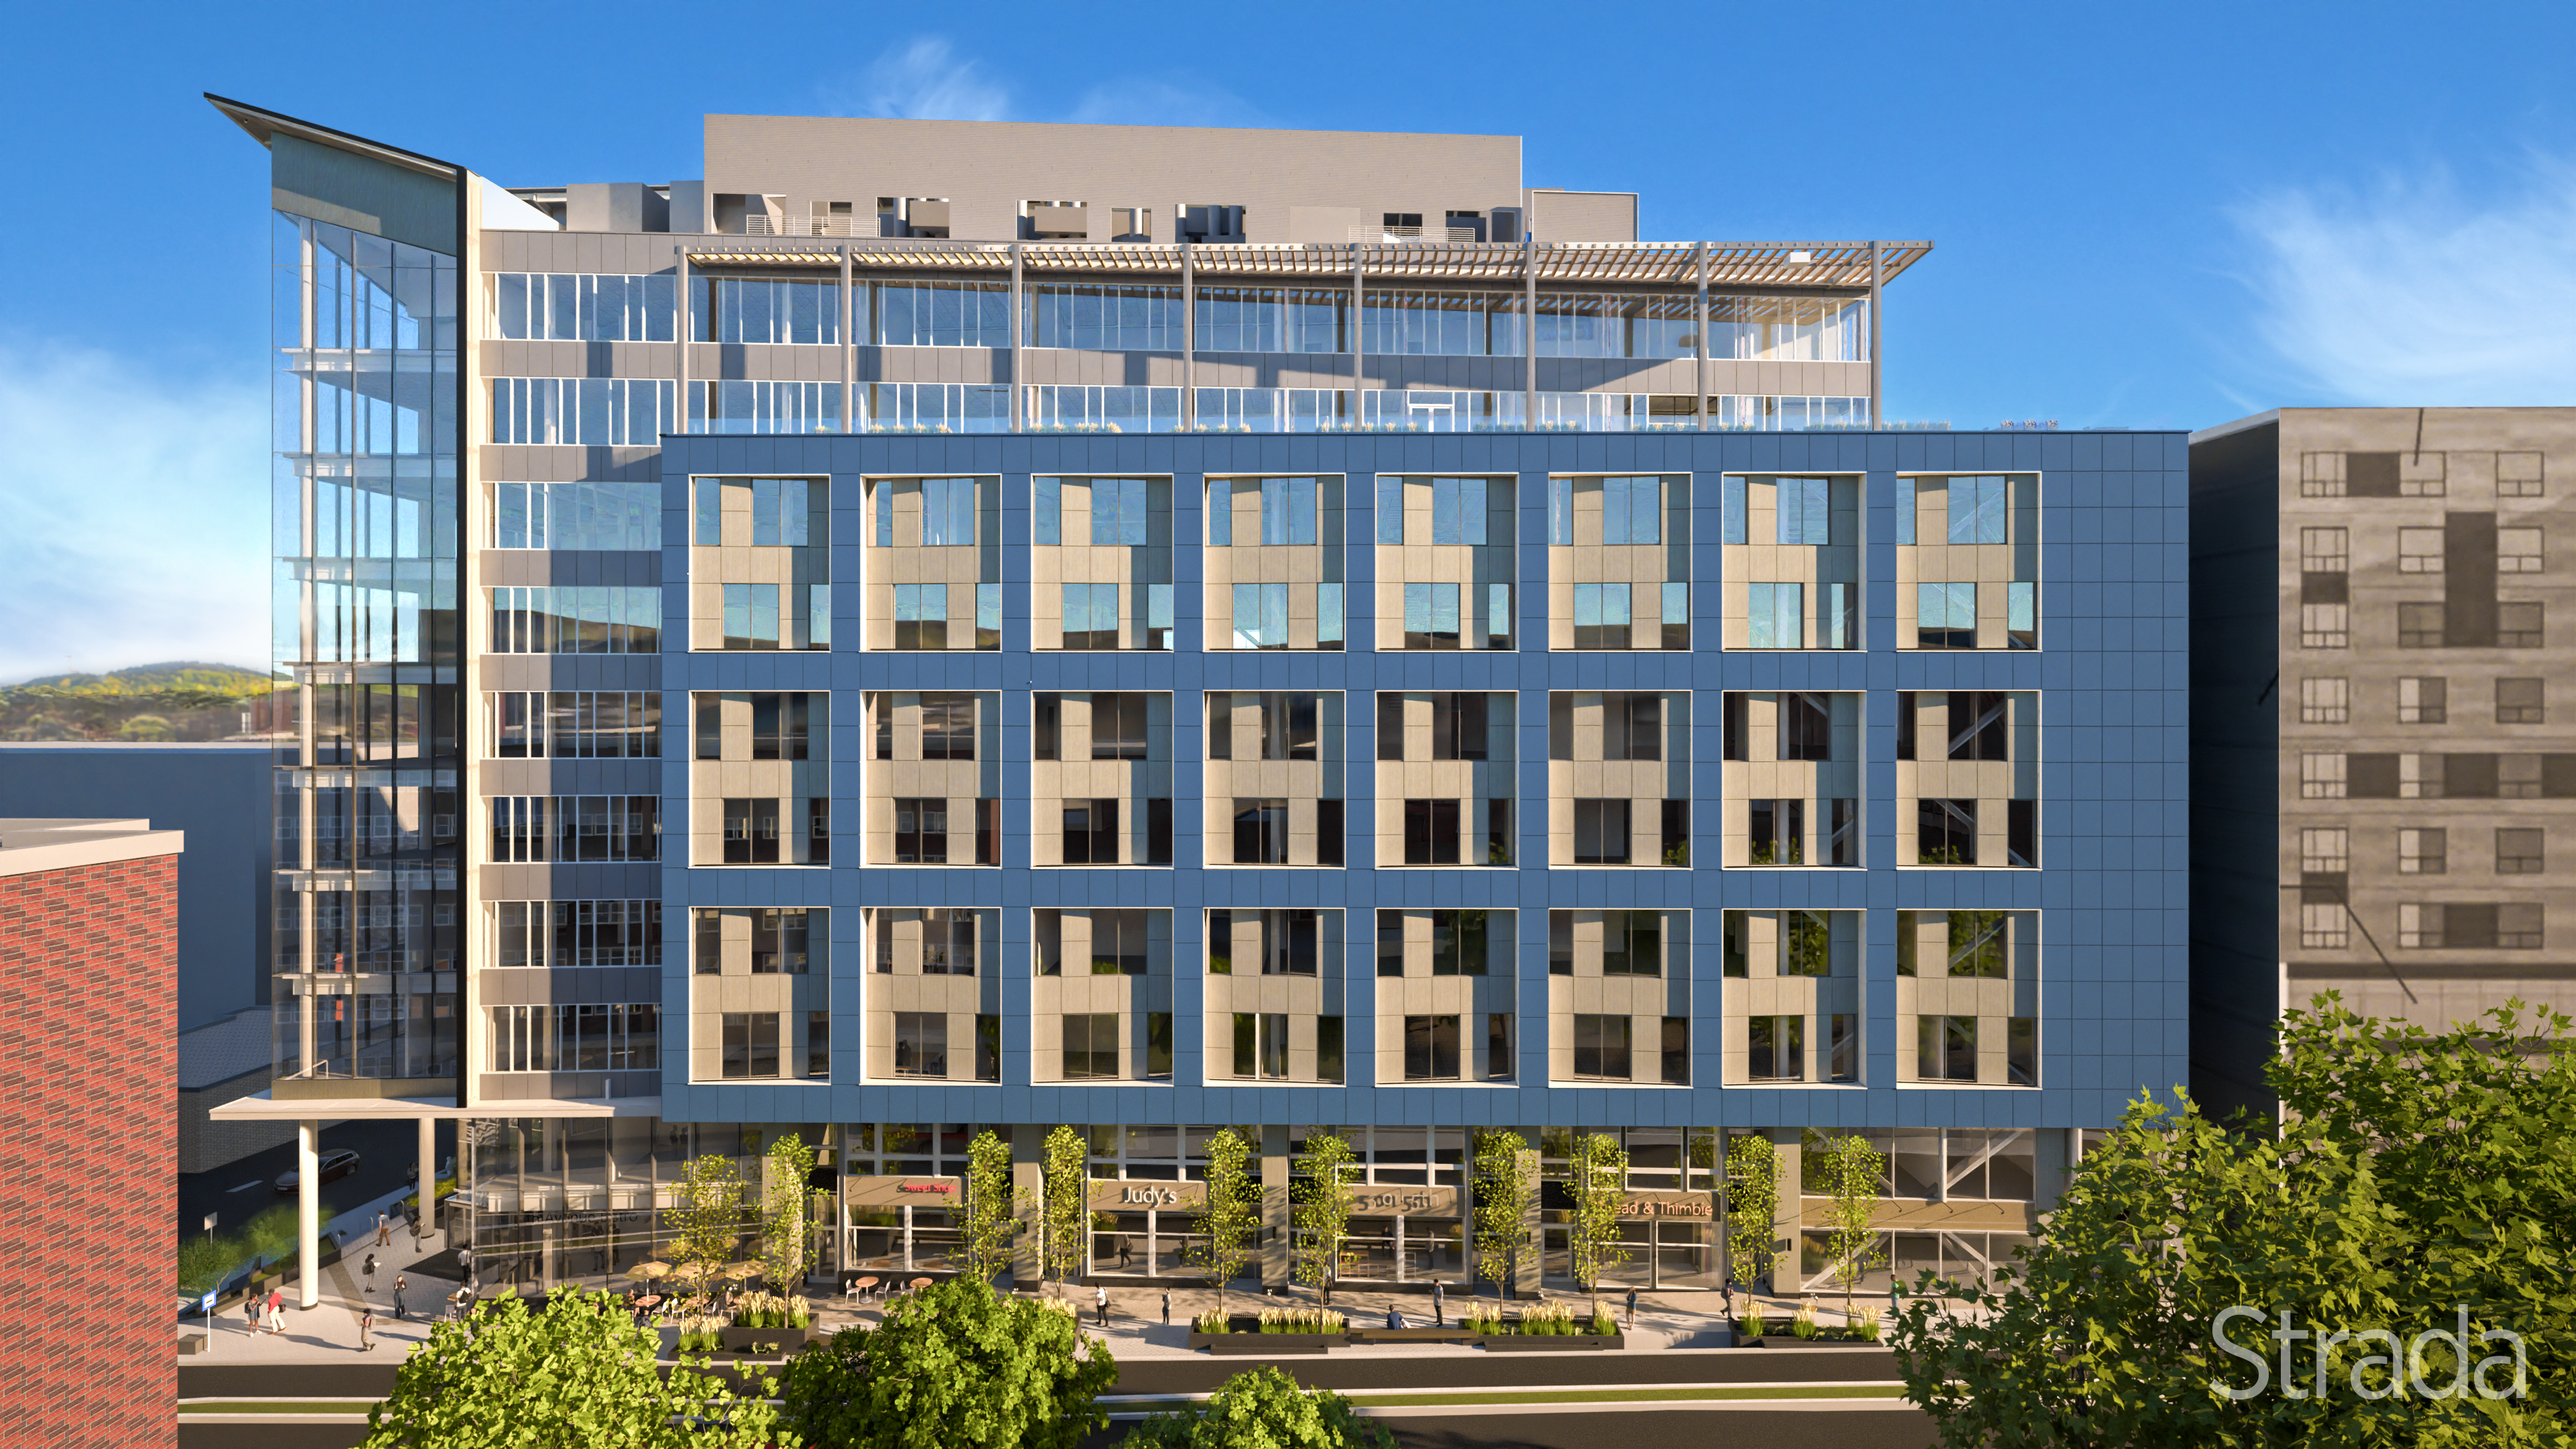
[329,1329]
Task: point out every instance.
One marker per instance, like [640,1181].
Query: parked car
[334,1166]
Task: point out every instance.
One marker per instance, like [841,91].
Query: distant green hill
[155,678]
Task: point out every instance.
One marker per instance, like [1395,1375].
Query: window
[562,725]
[2518,626]
[561,935]
[2521,701]
[1806,726]
[750,1044]
[2518,475]
[576,515]
[1775,616]
[2321,776]
[1498,1046]
[1945,616]
[2419,626]
[1676,1051]
[2423,701]
[2325,626]
[2519,851]
[1430,616]
[988,1048]
[1560,943]
[1842,835]
[1601,834]
[2021,616]
[565,829]
[548,620]
[2422,852]
[1498,832]
[1632,943]
[1090,1045]
[1945,1048]
[921,1044]
[920,615]
[1430,1048]
[1091,832]
[948,726]
[2324,851]
[818,1044]
[2021,1051]
[1674,838]
[1601,1046]
[2325,701]
[1261,616]
[1803,510]
[921,831]
[1601,616]
[2322,926]
[1676,616]
[1632,511]
[1090,616]
[1777,832]
[1431,832]
[2518,551]
[1118,728]
[1946,832]
[2021,833]
[1776,1048]
[2419,550]
[1260,832]
[1632,727]
[2327,550]
[1977,510]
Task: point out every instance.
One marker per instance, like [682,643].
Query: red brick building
[88,1143]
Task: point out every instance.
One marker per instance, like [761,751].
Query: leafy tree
[707,1223]
[990,1220]
[1752,1205]
[1322,1213]
[956,1364]
[580,1373]
[2415,1180]
[1850,1171]
[1506,1190]
[1600,1184]
[1224,1244]
[1264,1407]
[1065,1248]
[787,1238]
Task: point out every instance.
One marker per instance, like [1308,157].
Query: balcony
[1412,235]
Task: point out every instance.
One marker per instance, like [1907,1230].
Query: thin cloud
[137,514]
[924,78]
[2412,295]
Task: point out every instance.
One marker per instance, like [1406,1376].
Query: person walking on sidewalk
[1439,1304]
[1100,1304]
[1632,1310]
[384,1229]
[366,1330]
[1167,1308]
[367,1270]
[276,1310]
[399,1286]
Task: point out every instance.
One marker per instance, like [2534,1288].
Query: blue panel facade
[2111,674]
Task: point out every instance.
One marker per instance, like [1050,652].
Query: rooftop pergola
[1818,265]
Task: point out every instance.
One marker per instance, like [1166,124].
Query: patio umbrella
[746,1271]
[649,1270]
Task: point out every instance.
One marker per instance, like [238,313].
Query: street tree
[954,1364]
[991,1222]
[2347,1276]
[580,1373]
[706,1222]
[1851,1172]
[1064,1246]
[786,1228]
[1752,1207]
[1223,1245]
[1599,1185]
[1322,1212]
[1506,1191]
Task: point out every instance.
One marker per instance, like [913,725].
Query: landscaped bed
[1541,1327]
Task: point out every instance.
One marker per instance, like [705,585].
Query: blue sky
[2154,216]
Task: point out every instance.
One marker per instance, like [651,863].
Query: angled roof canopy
[265,126]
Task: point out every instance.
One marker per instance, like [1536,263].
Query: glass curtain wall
[365,645]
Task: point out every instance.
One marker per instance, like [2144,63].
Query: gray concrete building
[2381,747]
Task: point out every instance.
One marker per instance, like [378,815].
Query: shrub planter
[1791,1340]
[1260,1343]
[1551,1342]
[762,1340]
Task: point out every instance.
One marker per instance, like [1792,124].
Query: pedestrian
[366,1330]
[276,1310]
[1439,1304]
[384,1228]
[250,1308]
[399,1286]
[1167,1308]
[1100,1304]
[1632,1310]
[1124,1253]
[367,1270]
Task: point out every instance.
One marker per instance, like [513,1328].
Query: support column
[1274,1208]
[1787,1211]
[682,329]
[1359,310]
[1699,334]
[308,1214]
[2053,1159]
[849,349]
[1189,339]
[1529,327]
[1017,420]
[429,1175]
[1877,340]
[1028,1205]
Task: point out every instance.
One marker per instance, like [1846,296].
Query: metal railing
[1412,235]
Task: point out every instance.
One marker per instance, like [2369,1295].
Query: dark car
[335,1165]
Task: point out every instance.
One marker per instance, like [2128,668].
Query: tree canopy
[952,1365]
[578,1374]
[2418,1183]
[1264,1408]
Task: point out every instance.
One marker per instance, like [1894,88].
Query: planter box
[762,1340]
[1260,1343]
[1552,1343]
[1414,1335]
[1791,1340]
